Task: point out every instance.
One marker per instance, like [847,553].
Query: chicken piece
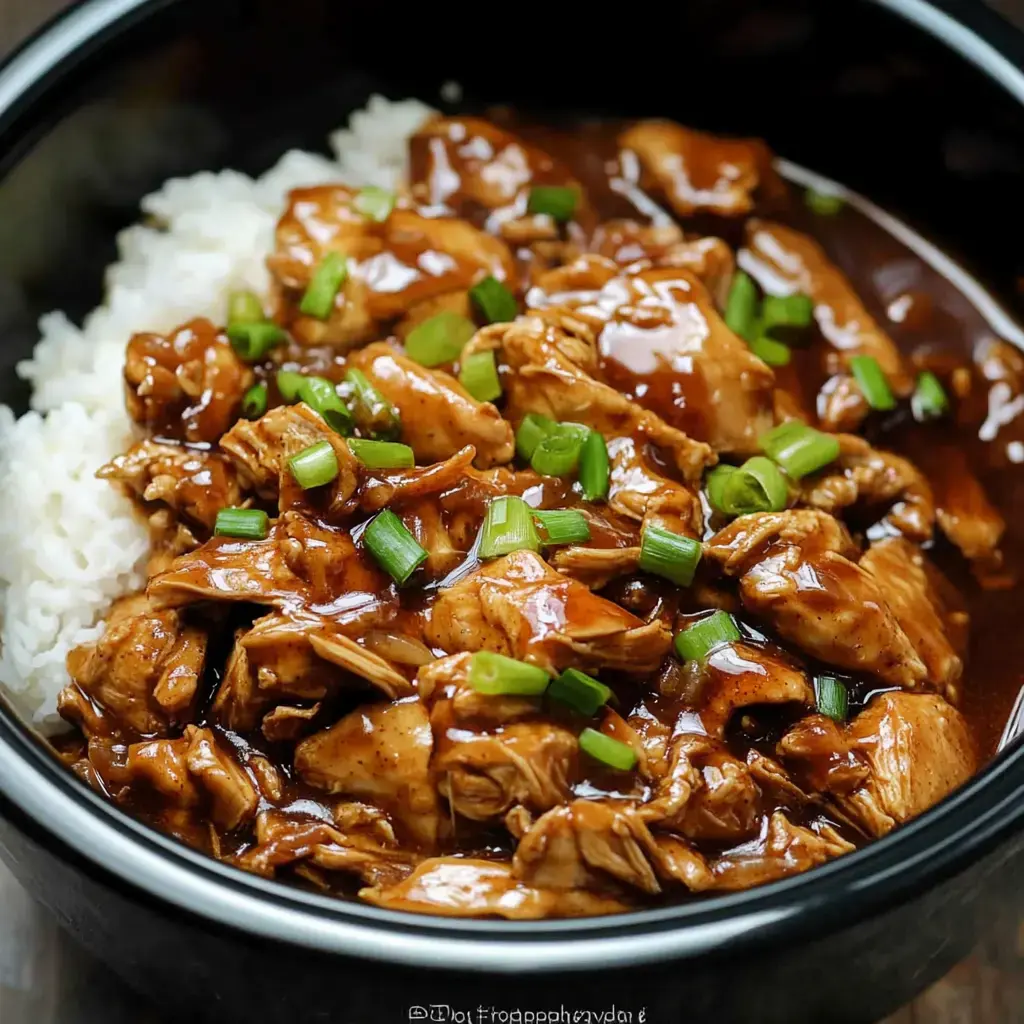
[545,381]
[918,748]
[387,488]
[145,669]
[786,262]
[585,845]
[638,491]
[286,724]
[622,242]
[475,169]
[462,887]
[911,587]
[737,675]
[392,265]
[194,484]
[283,839]
[443,685]
[662,343]
[520,607]
[796,575]
[188,384]
[299,562]
[820,749]
[783,849]
[379,752]
[365,664]
[439,417]
[162,767]
[233,798]
[260,450]
[483,775]
[698,172]
[864,475]
[595,567]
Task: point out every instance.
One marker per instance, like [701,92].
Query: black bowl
[915,104]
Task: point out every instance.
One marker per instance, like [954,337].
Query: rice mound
[69,543]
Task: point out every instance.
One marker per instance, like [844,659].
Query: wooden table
[46,979]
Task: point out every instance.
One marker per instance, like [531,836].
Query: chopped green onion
[757,486]
[826,204]
[581,692]
[440,339]
[558,454]
[798,448]
[613,753]
[531,432]
[314,466]
[252,341]
[374,203]
[714,485]
[382,454]
[669,555]
[831,697]
[786,311]
[770,351]
[563,526]
[393,547]
[479,376]
[496,675]
[323,289]
[496,303]
[244,308]
[254,402]
[741,306]
[696,642]
[244,523]
[557,201]
[929,400]
[288,383]
[372,410]
[322,397]
[594,472]
[508,526]
[871,378]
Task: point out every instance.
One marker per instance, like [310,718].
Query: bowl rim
[131,857]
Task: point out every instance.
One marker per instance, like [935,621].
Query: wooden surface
[45,979]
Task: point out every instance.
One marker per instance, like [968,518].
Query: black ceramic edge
[957,832]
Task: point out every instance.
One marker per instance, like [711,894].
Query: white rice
[69,543]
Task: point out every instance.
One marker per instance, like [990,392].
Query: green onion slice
[669,555]
[831,697]
[252,341]
[557,201]
[479,376]
[697,641]
[799,449]
[288,383]
[558,454]
[871,379]
[496,303]
[440,339]
[610,752]
[563,526]
[322,397]
[508,526]
[714,485]
[929,400]
[372,410]
[581,692]
[393,547]
[531,432]
[786,311]
[495,675]
[323,289]
[825,204]
[374,203]
[314,466]
[254,402]
[244,308]
[770,351]
[757,486]
[741,306]
[244,523]
[594,470]
[382,454]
